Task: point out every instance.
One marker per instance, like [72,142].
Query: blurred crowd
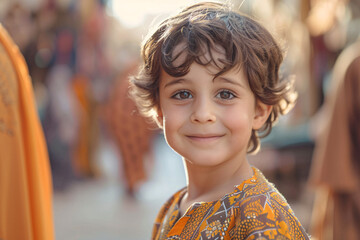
[80,56]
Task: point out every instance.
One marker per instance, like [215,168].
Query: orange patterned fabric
[131,132]
[254,210]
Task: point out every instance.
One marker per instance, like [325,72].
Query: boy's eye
[225,94]
[182,95]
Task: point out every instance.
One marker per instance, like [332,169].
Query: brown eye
[224,94]
[182,95]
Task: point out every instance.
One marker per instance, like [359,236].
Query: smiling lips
[204,137]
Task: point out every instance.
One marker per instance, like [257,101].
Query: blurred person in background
[25,178]
[335,166]
[131,132]
[60,120]
[92,83]
[79,70]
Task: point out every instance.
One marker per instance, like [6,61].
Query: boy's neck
[207,184]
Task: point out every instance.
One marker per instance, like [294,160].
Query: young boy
[210,80]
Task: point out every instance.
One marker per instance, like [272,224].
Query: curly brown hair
[200,29]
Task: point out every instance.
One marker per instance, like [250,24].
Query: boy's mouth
[204,137]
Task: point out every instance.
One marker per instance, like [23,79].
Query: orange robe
[254,210]
[25,178]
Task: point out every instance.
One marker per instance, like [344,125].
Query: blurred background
[111,168]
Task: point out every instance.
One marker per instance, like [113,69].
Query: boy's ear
[159,117]
[262,113]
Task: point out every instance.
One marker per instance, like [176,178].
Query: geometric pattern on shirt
[254,210]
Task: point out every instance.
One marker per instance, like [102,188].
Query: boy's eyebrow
[174,81]
[229,80]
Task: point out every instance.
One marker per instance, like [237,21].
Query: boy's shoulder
[258,193]
[259,208]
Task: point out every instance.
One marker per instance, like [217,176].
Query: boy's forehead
[214,55]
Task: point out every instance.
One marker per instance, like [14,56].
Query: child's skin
[209,121]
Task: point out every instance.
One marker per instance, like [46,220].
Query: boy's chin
[204,161]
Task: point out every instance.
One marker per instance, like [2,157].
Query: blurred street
[99,209]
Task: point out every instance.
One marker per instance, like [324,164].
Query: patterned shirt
[254,210]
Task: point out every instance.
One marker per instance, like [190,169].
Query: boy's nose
[203,111]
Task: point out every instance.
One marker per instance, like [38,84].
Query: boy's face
[209,121]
